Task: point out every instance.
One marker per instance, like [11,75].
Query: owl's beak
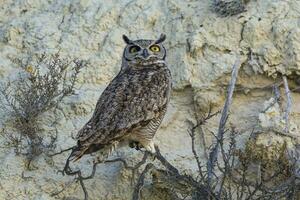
[145,54]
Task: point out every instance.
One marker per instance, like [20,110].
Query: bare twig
[67,170]
[276,98]
[192,135]
[140,183]
[165,162]
[214,152]
[135,167]
[61,190]
[60,152]
[288,104]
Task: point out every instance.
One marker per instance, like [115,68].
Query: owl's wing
[130,101]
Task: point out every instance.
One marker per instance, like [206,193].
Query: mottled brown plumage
[133,105]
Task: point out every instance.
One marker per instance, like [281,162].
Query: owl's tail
[79,150]
[76,154]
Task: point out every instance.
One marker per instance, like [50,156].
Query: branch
[164,161]
[67,170]
[60,152]
[53,194]
[134,168]
[140,183]
[276,98]
[139,164]
[193,134]
[172,177]
[288,104]
[214,152]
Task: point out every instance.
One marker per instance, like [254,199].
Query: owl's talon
[136,145]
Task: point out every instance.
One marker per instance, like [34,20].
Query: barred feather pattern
[131,108]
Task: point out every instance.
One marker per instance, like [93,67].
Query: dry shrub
[223,173]
[271,160]
[226,8]
[40,88]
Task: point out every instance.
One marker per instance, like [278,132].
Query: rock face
[202,47]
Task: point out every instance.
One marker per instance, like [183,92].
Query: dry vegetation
[255,172]
[40,88]
[226,8]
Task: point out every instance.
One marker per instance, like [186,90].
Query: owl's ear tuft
[161,38]
[127,40]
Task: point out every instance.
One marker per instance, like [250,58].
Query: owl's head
[144,52]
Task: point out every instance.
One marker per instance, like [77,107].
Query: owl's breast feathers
[132,99]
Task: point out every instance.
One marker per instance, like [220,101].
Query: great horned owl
[133,105]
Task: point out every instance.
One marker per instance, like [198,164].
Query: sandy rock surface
[202,47]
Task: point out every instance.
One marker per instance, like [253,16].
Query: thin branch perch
[67,170]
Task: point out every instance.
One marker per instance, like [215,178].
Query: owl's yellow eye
[155,48]
[134,49]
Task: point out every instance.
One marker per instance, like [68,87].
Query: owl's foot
[148,146]
[136,145]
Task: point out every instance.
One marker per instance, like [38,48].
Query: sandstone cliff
[202,47]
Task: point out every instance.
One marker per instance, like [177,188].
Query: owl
[131,108]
